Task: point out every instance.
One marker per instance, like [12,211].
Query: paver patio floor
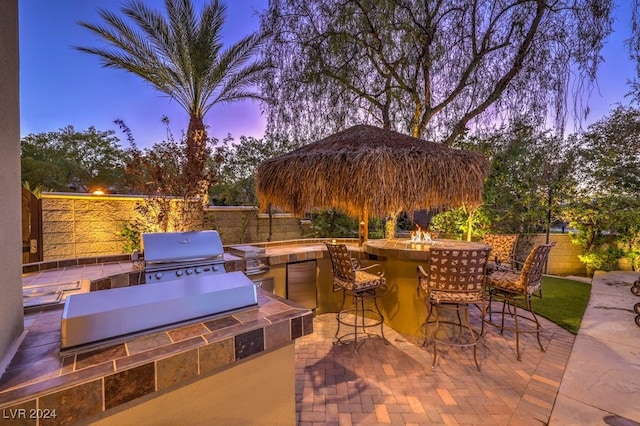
[392,383]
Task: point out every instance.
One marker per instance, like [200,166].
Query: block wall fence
[83,225]
[563,258]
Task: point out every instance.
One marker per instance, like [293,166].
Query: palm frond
[180,53]
[232,77]
[242,84]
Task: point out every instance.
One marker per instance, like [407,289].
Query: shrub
[603,258]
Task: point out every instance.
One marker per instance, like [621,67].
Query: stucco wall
[260,391]
[11,316]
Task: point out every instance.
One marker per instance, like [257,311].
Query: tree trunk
[196,159]
[391,224]
[390,227]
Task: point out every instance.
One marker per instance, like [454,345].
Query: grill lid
[166,247]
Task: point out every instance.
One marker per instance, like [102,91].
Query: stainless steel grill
[174,255]
[189,281]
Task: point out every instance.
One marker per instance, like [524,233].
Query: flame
[420,236]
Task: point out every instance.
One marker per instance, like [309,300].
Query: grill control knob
[198,270]
[189,271]
[216,268]
[158,275]
[179,273]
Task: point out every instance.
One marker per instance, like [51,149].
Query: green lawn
[563,302]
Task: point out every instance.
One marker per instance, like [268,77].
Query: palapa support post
[363,228]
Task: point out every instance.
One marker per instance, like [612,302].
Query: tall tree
[430,68]
[610,154]
[180,53]
[607,204]
[158,173]
[73,161]
[237,166]
[533,176]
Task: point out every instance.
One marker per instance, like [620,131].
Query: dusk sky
[61,86]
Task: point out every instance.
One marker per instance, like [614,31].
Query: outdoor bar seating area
[462,308]
[425,287]
[414,238]
[459,312]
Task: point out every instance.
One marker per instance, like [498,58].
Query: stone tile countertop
[282,252]
[83,384]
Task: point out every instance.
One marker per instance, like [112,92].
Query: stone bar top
[282,252]
[405,249]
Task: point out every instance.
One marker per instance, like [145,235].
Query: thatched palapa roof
[372,170]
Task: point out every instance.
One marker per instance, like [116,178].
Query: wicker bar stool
[515,289]
[363,285]
[454,279]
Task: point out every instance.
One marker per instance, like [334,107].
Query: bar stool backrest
[503,247]
[533,268]
[341,262]
[456,275]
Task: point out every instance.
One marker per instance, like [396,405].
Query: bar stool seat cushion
[443,296]
[363,281]
[516,281]
[507,281]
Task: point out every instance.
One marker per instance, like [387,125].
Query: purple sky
[61,86]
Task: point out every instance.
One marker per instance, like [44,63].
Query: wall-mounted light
[98,192]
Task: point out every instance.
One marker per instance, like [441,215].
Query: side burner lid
[247,251]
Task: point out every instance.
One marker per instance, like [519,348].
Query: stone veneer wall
[84,225]
[563,259]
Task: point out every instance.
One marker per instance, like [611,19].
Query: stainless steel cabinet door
[301,283]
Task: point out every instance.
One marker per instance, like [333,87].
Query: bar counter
[406,249]
[403,308]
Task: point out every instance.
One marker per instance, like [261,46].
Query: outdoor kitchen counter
[120,271]
[94,276]
[291,251]
[87,385]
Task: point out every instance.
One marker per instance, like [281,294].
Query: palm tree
[181,55]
